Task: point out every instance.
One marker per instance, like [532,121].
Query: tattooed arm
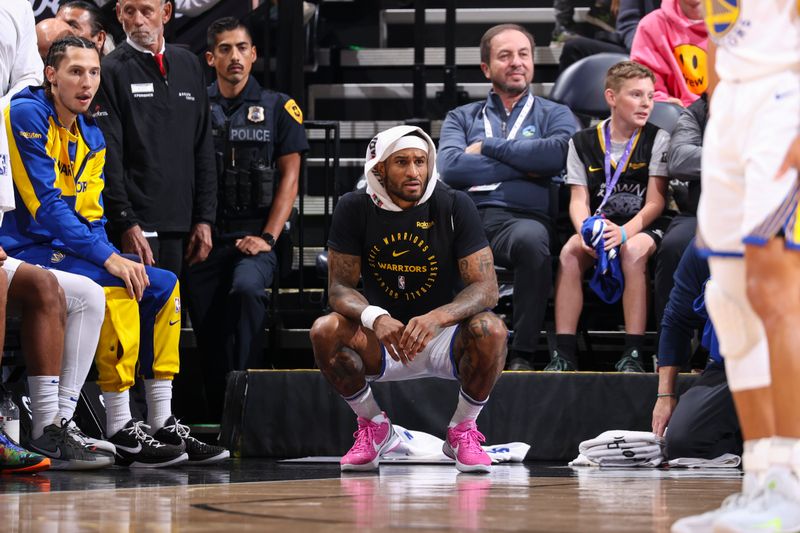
[480,293]
[344,272]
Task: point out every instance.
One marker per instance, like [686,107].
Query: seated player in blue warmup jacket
[703,422]
[57,157]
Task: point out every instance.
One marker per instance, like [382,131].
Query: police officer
[258,138]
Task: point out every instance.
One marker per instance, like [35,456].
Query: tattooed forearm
[480,293]
[470,301]
[344,272]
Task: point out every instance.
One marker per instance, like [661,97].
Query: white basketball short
[750,128]
[10,265]
[435,361]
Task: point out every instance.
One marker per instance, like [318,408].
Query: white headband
[409,141]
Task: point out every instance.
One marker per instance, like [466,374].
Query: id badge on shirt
[489,187]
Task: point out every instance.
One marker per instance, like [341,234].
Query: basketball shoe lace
[365,437]
[138,431]
[75,432]
[181,429]
[468,439]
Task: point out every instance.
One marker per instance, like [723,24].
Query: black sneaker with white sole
[66,452]
[199,452]
[137,449]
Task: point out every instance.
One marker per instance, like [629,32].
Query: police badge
[255,113]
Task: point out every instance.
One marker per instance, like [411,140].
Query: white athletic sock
[67,402]
[756,457]
[363,403]
[467,409]
[44,403]
[118,411]
[85,313]
[159,402]
[784,453]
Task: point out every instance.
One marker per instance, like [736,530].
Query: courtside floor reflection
[265,495]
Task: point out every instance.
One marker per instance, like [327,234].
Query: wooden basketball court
[260,495]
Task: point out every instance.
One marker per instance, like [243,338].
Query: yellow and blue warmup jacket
[59,223]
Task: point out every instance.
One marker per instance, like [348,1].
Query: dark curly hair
[57,52]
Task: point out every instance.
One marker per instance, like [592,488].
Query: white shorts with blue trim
[750,128]
[435,361]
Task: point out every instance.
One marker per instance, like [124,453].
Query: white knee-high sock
[44,403]
[159,402]
[363,403]
[118,411]
[85,313]
[467,409]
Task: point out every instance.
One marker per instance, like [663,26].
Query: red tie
[160,62]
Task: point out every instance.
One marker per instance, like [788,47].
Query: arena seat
[665,115]
[580,87]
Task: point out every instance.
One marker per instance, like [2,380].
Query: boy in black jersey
[416,243]
[617,169]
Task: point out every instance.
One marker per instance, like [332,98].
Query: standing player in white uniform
[748,221]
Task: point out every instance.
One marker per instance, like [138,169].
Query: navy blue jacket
[681,317]
[524,166]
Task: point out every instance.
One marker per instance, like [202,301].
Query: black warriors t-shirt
[409,259]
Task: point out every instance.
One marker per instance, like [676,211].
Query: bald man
[48,31]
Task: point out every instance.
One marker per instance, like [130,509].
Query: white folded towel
[621,448]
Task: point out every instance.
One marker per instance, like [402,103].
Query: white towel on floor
[621,448]
[419,445]
[726,460]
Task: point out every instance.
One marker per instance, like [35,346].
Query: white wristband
[370,313]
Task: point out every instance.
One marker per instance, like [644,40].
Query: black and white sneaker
[137,449]
[66,452]
[199,452]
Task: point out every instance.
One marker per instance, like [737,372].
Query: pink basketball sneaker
[372,440]
[463,443]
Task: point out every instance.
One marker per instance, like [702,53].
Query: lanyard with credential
[611,181]
[487,127]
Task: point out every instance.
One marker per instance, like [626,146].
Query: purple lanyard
[611,181]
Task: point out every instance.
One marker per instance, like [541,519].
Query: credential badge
[255,113]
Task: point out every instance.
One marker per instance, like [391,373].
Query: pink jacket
[674,48]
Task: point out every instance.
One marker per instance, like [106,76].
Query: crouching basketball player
[415,241]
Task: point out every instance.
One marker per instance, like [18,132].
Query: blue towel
[607,280]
